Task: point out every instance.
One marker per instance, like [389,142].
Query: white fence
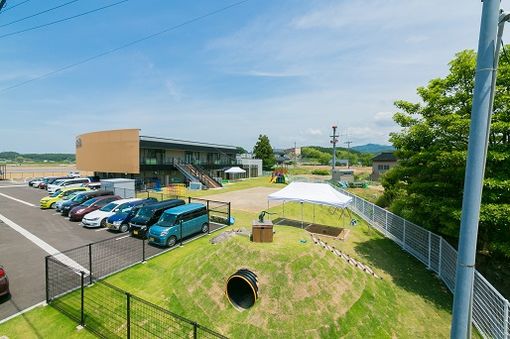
[490,309]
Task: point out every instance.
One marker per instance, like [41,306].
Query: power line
[13,6]
[39,13]
[62,20]
[134,42]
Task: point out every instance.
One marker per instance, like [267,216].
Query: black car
[79,199]
[149,215]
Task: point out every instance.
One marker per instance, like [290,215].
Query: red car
[4,283]
[77,213]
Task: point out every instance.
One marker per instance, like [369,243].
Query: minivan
[74,182]
[120,220]
[178,223]
[149,215]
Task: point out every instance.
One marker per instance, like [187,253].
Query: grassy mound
[304,290]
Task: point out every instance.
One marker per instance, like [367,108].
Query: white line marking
[18,200]
[42,303]
[12,186]
[44,245]
[101,229]
[56,213]
[122,237]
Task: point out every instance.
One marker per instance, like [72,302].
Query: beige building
[382,163]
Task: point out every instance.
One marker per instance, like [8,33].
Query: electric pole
[348,142]
[334,140]
[486,64]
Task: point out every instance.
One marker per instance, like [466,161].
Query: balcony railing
[181,161]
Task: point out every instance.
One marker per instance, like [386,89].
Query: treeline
[324,155]
[36,157]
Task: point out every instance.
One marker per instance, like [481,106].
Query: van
[149,215]
[74,182]
[178,223]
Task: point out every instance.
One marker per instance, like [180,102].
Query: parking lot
[27,235]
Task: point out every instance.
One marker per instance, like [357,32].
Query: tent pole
[314,213]
[283,206]
[302,219]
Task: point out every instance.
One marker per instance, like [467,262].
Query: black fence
[73,286]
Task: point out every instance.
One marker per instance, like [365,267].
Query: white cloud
[313,131]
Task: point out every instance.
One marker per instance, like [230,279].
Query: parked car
[93,185]
[178,223]
[59,203]
[81,198]
[120,220]
[98,217]
[48,181]
[34,181]
[51,200]
[78,212]
[74,182]
[149,215]
[4,283]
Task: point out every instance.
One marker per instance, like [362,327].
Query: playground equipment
[279,176]
[242,289]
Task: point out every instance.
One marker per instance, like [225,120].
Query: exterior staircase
[195,173]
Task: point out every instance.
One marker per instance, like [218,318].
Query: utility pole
[334,140]
[475,168]
[295,154]
[348,142]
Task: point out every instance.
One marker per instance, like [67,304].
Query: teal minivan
[179,222]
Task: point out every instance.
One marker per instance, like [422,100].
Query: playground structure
[279,176]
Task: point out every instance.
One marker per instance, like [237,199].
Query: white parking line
[11,186]
[101,229]
[127,235]
[43,245]
[18,200]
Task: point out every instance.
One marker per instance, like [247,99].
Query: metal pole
[47,279]
[128,314]
[82,311]
[143,250]
[302,220]
[475,164]
[90,263]
[180,227]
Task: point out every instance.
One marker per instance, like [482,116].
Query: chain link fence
[73,286]
[490,309]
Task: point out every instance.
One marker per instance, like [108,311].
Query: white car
[98,217]
[61,183]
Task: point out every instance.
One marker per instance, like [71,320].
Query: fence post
[47,279]
[228,221]
[386,223]
[180,230]
[404,235]
[82,315]
[430,248]
[195,335]
[128,314]
[143,250]
[440,256]
[90,263]
[189,200]
[373,213]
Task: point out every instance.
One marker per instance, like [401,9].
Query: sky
[289,69]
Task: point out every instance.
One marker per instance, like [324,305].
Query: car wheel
[123,228]
[103,223]
[52,205]
[205,228]
[171,241]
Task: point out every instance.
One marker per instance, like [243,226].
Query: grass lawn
[304,291]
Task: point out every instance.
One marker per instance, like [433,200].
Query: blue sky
[288,68]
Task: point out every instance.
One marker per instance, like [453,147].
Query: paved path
[249,200]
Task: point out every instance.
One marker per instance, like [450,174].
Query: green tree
[427,184]
[264,151]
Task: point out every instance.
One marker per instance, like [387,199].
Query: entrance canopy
[235,170]
[314,193]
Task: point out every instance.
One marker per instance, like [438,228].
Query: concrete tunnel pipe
[242,289]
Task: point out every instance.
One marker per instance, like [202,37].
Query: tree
[427,184]
[264,151]
[241,150]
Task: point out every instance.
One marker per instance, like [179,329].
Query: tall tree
[427,184]
[264,151]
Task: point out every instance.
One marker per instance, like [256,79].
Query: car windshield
[123,208]
[167,220]
[144,212]
[54,195]
[89,202]
[58,182]
[109,207]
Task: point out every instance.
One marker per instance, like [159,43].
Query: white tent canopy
[314,193]
[235,170]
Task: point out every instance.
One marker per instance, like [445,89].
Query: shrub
[320,172]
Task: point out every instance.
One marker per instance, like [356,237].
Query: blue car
[179,222]
[120,221]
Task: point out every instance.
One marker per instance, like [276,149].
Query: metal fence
[490,309]
[73,286]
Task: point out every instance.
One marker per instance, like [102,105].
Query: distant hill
[36,157]
[373,148]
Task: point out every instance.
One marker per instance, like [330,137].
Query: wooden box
[262,231]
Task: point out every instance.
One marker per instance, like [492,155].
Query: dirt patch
[249,200]
[324,230]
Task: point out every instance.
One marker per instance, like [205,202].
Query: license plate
[135,232]
[152,239]
[109,225]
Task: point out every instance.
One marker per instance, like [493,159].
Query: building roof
[385,156]
[183,144]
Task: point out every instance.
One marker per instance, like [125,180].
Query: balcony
[199,162]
